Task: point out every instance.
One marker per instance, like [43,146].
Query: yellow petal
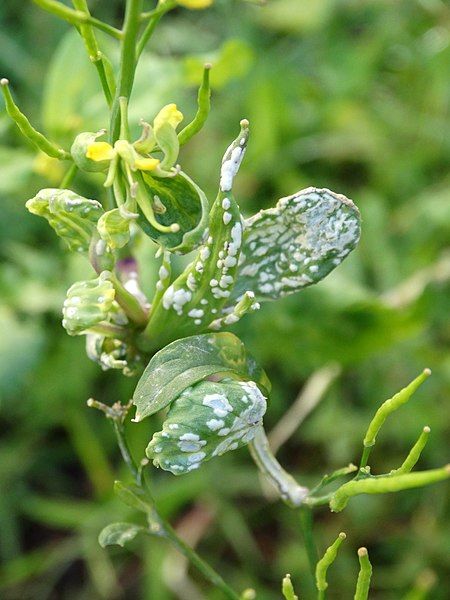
[147,164]
[100,151]
[195,4]
[168,114]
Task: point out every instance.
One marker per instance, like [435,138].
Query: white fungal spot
[215,424]
[219,403]
[226,217]
[163,272]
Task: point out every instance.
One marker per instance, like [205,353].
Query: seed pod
[71,216]
[87,304]
[207,420]
[79,149]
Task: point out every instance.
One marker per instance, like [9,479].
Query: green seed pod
[114,228]
[88,303]
[79,149]
[71,216]
[111,353]
[207,420]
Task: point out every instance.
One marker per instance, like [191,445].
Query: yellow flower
[168,114]
[195,4]
[146,164]
[100,151]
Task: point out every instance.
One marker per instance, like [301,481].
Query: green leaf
[207,420]
[119,534]
[185,362]
[176,200]
[132,496]
[296,243]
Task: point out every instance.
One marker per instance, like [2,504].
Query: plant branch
[76,17]
[289,490]
[153,18]
[128,60]
[159,526]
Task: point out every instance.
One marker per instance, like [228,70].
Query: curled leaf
[207,420]
[175,200]
[185,362]
[73,217]
[296,243]
[119,534]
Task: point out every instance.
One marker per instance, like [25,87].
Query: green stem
[289,490]
[75,17]
[68,177]
[95,55]
[207,571]
[365,457]
[125,451]
[306,526]
[128,60]
[154,16]
[163,528]
[128,302]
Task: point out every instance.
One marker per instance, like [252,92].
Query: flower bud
[81,155]
[110,353]
[207,420]
[71,216]
[114,228]
[87,304]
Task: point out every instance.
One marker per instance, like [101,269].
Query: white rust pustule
[233,157]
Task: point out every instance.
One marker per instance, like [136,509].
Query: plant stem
[125,451]
[289,490]
[76,17]
[306,526]
[163,527]
[365,457]
[127,66]
[69,176]
[128,302]
[154,16]
[207,571]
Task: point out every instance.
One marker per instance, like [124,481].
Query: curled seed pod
[88,303]
[111,353]
[207,420]
[73,217]
[79,151]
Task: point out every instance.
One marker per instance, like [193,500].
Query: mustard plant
[213,392]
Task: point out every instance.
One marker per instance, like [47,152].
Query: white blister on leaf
[207,420]
[296,243]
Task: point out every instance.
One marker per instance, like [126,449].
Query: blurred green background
[353,95]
